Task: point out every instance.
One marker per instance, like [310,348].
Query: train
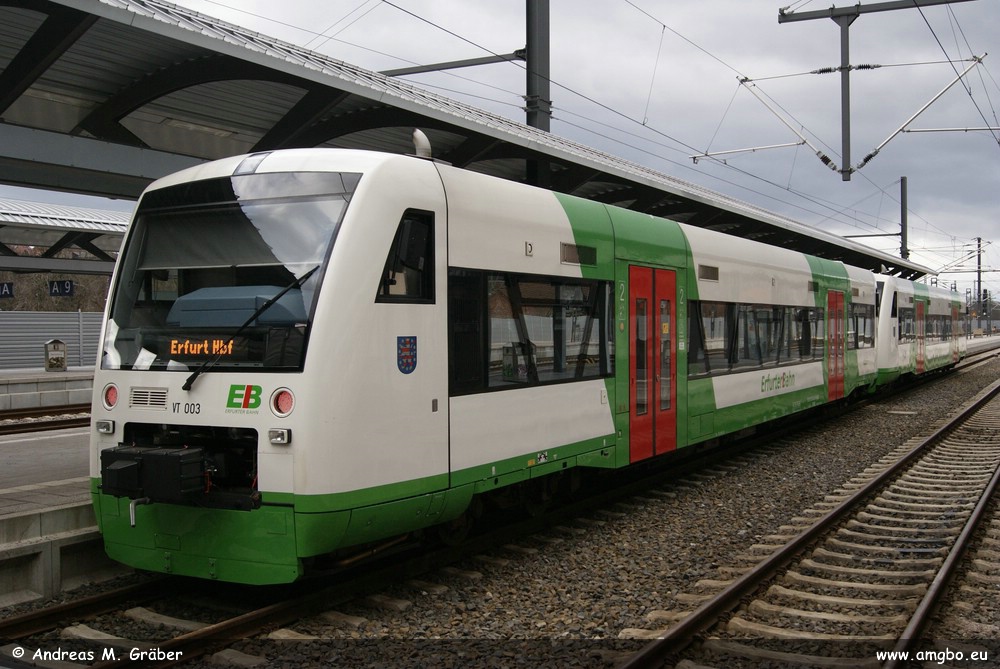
[311,352]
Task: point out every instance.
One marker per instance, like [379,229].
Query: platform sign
[6,289]
[63,288]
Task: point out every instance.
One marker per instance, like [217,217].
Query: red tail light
[110,396]
[282,402]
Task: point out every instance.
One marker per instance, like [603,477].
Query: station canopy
[48,237]
[104,96]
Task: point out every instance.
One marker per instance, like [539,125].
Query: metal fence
[23,335]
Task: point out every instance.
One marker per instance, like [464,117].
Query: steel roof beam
[91,248]
[369,119]
[61,265]
[36,158]
[648,200]
[472,150]
[104,121]
[81,240]
[307,112]
[574,177]
[6,250]
[69,239]
[54,37]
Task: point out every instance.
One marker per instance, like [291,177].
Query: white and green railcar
[309,351]
[920,328]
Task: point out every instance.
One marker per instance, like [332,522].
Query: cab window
[408,274]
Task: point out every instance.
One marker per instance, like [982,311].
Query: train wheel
[538,494]
[456,530]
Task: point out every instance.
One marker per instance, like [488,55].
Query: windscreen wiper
[208,364]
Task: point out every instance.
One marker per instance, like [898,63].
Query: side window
[907,325]
[510,330]
[810,332]
[861,326]
[697,353]
[715,320]
[852,326]
[408,275]
[744,347]
[727,337]
[468,357]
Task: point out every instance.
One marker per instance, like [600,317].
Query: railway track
[211,625]
[214,631]
[19,421]
[862,578]
[161,639]
[93,623]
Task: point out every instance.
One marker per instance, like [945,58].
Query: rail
[677,638]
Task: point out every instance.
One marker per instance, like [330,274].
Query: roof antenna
[421,144]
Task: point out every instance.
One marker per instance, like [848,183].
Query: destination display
[220,347]
[194,348]
[276,347]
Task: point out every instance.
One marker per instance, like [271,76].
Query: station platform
[37,388]
[49,541]
[41,497]
[48,534]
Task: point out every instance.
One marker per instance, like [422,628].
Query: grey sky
[604,58]
[657,81]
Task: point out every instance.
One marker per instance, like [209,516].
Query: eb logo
[244,397]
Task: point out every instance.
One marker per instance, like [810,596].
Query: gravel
[566,604]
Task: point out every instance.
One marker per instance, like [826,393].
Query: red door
[652,362]
[836,342]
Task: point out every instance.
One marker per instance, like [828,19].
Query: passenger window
[510,331]
[665,362]
[726,337]
[641,384]
[468,357]
[408,275]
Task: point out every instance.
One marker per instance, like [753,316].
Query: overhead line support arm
[844,17]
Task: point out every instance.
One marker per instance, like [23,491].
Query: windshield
[203,257]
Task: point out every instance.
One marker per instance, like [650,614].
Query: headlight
[279,436]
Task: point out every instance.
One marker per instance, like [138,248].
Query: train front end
[204,342]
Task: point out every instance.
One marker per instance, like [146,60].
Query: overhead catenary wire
[825,159]
[686,39]
[323,33]
[553,82]
[920,111]
[830,208]
[957,31]
[644,122]
[863,67]
[968,89]
[652,79]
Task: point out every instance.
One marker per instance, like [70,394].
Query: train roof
[361,161]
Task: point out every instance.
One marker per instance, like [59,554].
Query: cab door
[652,362]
